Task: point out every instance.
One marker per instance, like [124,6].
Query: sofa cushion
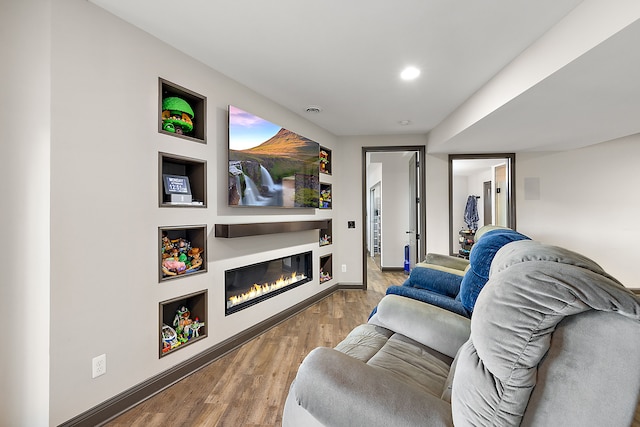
[364,342]
[445,269]
[408,360]
[480,263]
[448,261]
[340,390]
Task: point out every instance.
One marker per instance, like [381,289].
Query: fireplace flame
[257,290]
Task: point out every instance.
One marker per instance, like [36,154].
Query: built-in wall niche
[325,196]
[326,234]
[183,321]
[182,251]
[181,181]
[325,160]
[326,268]
[181,112]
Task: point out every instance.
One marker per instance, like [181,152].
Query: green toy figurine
[176,115]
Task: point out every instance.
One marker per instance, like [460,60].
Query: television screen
[270,165]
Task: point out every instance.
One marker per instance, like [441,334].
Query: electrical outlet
[99,366]
[344,268]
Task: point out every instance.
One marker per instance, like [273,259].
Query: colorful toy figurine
[195,328]
[196,260]
[178,257]
[324,276]
[177,115]
[169,338]
[184,329]
[182,324]
[325,240]
[324,161]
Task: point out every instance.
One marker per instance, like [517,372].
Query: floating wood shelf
[260,228]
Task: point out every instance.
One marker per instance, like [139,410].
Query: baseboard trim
[392,269]
[351,286]
[111,408]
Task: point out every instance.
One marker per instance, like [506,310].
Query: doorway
[487,177]
[392,206]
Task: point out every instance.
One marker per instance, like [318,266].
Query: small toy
[325,198]
[324,161]
[324,276]
[177,115]
[184,329]
[169,338]
[182,323]
[179,257]
[195,328]
[196,260]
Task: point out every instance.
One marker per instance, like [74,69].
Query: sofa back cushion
[534,289]
[480,259]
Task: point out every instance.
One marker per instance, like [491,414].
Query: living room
[83,199]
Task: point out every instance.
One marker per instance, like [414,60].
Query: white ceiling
[468,167]
[346,56]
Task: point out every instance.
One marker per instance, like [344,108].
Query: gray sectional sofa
[553,341]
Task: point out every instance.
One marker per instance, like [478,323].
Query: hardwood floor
[248,386]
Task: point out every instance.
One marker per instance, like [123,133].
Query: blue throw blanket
[450,291]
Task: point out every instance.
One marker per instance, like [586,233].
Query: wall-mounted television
[270,165]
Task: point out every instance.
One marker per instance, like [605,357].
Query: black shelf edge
[260,228]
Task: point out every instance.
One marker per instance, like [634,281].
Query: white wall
[104,206]
[458,204]
[437,203]
[350,198]
[24,213]
[395,208]
[587,202]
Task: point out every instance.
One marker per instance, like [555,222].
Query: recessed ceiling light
[404,122]
[409,73]
[313,109]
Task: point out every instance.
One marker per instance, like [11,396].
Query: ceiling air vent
[313,109]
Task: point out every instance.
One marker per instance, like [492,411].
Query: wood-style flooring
[248,386]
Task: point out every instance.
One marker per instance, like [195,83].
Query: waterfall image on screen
[270,165]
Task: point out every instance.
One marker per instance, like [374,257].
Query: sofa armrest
[428,324]
[448,261]
[337,389]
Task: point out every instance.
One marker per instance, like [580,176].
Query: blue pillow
[480,263]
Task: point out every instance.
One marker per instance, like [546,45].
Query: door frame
[421,150]
[510,158]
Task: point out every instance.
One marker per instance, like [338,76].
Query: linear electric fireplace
[249,285]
